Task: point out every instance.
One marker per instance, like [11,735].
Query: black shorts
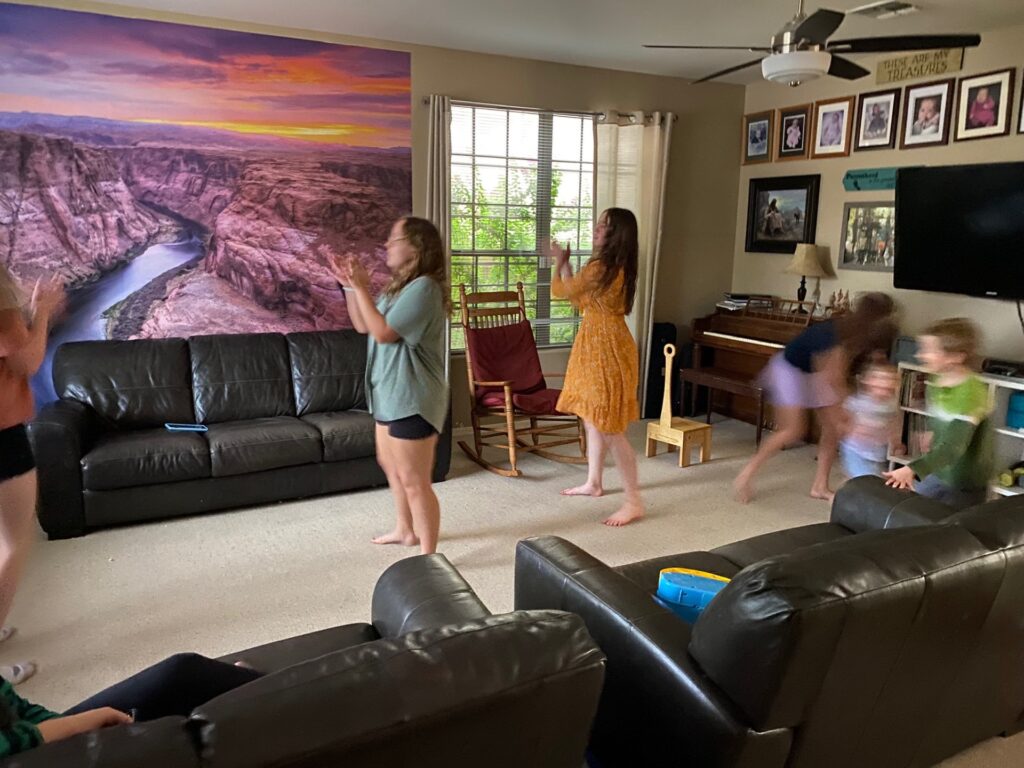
[15,453]
[409,428]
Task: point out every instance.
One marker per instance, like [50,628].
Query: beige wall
[763,271]
[700,206]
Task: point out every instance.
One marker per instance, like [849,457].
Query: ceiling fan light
[795,67]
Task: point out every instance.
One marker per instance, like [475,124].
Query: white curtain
[632,166]
[439,183]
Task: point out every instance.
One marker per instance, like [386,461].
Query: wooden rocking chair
[505,380]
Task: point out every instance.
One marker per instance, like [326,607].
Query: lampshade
[807,261]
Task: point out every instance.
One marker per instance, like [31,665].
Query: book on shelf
[915,435]
[912,389]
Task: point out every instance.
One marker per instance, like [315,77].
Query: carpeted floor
[95,609]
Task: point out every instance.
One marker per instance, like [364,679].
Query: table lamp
[807,262]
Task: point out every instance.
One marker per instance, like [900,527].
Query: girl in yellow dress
[601,379]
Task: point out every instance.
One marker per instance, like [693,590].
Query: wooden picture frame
[866,242]
[833,128]
[971,114]
[872,107]
[781,212]
[793,132]
[757,137]
[917,128]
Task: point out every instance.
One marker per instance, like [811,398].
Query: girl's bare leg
[597,447]
[791,424]
[414,465]
[828,442]
[625,458]
[403,532]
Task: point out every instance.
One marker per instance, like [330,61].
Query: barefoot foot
[584,490]
[626,515]
[742,489]
[405,538]
[826,494]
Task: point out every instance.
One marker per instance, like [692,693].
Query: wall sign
[870,179]
[916,65]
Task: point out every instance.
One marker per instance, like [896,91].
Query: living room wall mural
[185,180]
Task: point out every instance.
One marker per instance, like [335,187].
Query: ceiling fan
[801,50]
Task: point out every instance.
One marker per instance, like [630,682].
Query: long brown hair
[869,330]
[429,262]
[620,251]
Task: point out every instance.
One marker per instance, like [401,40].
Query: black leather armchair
[889,636]
[433,680]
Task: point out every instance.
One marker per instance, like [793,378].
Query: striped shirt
[20,721]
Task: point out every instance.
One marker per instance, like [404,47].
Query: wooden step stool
[677,432]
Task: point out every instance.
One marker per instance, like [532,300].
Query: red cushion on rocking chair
[505,353]
[540,403]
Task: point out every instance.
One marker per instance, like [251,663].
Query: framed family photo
[867,238]
[878,116]
[757,137]
[984,105]
[794,129]
[781,212]
[927,109]
[833,120]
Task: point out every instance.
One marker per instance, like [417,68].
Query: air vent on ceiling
[886,9]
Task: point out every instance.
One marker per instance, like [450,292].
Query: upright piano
[737,345]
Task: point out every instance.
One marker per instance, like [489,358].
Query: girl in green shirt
[406,386]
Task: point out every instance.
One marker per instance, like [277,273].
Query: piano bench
[726,381]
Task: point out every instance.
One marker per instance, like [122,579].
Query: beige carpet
[95,609]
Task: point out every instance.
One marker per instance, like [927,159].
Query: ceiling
[598,33]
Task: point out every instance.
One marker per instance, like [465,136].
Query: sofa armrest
[423,592]
[61,434]
[654,690]
[273,657]
[868,504]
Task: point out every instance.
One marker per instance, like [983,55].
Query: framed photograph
[757,137]
[794,127]
[781,212]
[1020,125]
[984,105]
[927,109]
[867,236]
[878,115]
[833,120]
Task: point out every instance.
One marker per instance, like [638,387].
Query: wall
[700,206]
[763,271]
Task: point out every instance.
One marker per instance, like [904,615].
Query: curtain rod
[485,105]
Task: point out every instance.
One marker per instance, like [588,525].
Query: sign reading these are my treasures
[915,65]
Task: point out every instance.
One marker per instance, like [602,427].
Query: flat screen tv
[960,229]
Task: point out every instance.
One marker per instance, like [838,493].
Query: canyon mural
[182,180]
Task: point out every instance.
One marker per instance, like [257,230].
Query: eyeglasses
[394,240]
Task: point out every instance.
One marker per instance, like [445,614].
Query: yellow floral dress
[601,380]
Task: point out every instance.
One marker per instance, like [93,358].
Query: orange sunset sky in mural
[153,73]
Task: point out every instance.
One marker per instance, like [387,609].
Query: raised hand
[557,253]
[340,268]
[358,276]
[47,297]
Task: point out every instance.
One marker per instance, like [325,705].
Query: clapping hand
[558,254]
[350,272]
[47,298]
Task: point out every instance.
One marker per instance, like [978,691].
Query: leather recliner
[286,416]
[890,636]
[433,680]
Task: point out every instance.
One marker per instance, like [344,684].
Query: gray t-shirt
[406,378]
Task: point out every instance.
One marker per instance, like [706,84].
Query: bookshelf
[1009,443]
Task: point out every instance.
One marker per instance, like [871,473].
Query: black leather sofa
[286,416]
[891,636]
[435,680]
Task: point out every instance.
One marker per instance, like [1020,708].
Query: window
[520,178]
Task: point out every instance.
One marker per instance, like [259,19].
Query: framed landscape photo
[781,212]
[793,132]
[757,137]
[867,238]
[927,109]
[878,116]
[833,120]
[984,105]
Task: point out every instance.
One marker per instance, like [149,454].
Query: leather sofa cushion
[345,435]
[757,548]
[645,573]
[996,524]
[524,667]
[867,504]
[130,384]
[887,613]
[145,457]
[328,371]
[238,447]
[294,650]
[243,376]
